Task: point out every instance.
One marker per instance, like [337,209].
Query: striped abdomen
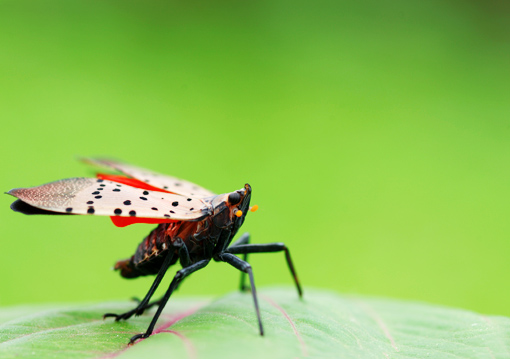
[151,252]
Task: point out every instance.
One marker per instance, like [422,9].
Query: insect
[194,225]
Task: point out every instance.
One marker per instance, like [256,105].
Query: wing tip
[99,161]
[14,192]
[96,162]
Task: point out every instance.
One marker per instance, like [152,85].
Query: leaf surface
[322,325]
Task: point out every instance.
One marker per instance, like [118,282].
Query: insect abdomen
[127,269]
[148,256]
[200,239]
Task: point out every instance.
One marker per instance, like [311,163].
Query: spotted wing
[168,183]
[108,198]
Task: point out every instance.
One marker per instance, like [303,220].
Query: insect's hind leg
[179,277]
[185,262]
[267,248]
[144,303]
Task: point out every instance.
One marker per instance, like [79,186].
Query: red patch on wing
[130,182]
[126,221]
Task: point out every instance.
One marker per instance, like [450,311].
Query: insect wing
[168,183]
[108,198]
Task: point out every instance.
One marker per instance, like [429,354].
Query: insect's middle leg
[143,304]
[243,239]
[179,277]
[266,248]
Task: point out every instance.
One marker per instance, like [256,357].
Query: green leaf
[322,325]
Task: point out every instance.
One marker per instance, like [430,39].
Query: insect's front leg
[266,248]
[143,304]
[244,239]
[179,277]
[245,267]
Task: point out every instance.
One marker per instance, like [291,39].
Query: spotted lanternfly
[194,225]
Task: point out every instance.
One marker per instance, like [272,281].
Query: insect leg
[185,262]
[184,259]
[266,248]
[179,276]
[244,239]
[143,304]
[246,268]
[183,253]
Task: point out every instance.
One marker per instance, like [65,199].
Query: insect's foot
[118,317]
[134,338]
[153,304]
[139,312]
[108,315]
[136,299]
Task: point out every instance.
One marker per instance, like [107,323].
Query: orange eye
[254,208]
[239,213]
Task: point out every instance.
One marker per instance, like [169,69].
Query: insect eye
[234,198]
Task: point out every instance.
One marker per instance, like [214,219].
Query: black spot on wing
[127,203]
[118,211]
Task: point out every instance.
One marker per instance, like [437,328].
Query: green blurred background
[375,135]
